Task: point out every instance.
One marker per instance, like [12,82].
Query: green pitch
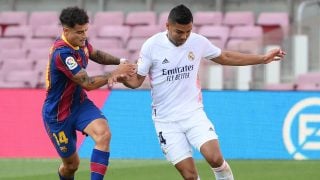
[39,169]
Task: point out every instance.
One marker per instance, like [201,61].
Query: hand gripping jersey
[63,95]
[173,72]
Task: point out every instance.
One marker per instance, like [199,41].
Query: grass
[39,169]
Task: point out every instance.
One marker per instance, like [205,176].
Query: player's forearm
[239,59]
[104,58]
[96,82]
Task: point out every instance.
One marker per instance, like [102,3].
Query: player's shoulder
[61,47]
[197,37]
[156,38]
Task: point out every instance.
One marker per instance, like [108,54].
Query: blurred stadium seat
[105,44]
[202,18]
[13,18]
[36,54]
[12,54]
[17,64]
[21,31]
[308,81]
[141,18]
[28,78]
[280,87]
[246,39]
[162,20]
[120,33]
[239,18]
[144,31]
[108,18]
[39,18]
[37,43]
[275,26]
[47,31]
[218,35]
[10,43]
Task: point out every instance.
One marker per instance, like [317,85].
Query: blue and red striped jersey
[63,95]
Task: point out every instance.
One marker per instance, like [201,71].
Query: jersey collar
[65,40]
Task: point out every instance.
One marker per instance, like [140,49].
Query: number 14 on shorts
[60,137]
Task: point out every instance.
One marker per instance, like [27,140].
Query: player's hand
[123,72]
[274,55]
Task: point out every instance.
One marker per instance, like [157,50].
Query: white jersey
[173,72]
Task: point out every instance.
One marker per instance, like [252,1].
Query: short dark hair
[71,16]
[180,14]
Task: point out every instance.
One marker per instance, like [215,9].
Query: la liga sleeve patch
[71,63]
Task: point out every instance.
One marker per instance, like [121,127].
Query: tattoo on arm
[104,58]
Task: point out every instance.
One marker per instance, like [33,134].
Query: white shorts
[177,137]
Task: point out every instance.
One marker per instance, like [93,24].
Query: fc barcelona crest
[191,56]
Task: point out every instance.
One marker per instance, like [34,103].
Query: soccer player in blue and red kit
[67,107]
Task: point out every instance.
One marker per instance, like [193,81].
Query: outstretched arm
[101,57]
[95,82]
[241,59]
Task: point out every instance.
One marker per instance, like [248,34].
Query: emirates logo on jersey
[191,56]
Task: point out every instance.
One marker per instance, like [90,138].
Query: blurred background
[121,26]
[260,112]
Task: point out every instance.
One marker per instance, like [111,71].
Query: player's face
[77,35]
[178,33]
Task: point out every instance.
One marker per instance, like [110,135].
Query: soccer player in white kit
[171,59]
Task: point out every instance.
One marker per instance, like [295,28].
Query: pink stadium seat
[47,31]
[28,77]
[312,77]
[245,39]
[108,18]
[275,26]
[41,65]
[233,18]
[135,44]
[134,56]
[115,32]
[280,87]
[13,18]
[43,18]
[38,54]
[144,31]
[37,43]
[10,43]
[202,18]
[22,31]
[10,54]
[246,32]
[308,81]
[216,34]
[105,44]
[13,65]
[141,18]
[162,20]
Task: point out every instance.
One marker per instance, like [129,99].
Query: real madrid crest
[191,56]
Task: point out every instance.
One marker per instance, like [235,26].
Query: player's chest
[170,59]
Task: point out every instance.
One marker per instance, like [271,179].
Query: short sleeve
[67,63]
[211,51]
[145,60]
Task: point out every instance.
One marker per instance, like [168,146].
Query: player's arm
[95,82]
[241,59]
[101,57]
[133,82]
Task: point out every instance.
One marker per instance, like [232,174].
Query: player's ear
[65,29]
